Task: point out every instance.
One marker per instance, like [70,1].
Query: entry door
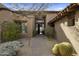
[40,28]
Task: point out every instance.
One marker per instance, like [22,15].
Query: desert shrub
[34,33]
[63,49]
[10,31]
[49,32]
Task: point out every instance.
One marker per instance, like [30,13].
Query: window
[24,27]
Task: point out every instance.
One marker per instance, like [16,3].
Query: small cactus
[63,49]
[55,49]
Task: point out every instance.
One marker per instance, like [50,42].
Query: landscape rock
[9,48]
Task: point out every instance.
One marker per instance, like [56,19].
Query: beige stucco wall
[49,29]
[76,16]
[6,15]
[30,26]
[64,21]
[19,17]
[68,33]
[11,16]
[49,17]
[77,19]
[60,35]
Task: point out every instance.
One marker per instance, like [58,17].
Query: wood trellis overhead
[71,8]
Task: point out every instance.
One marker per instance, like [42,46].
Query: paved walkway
[37,46]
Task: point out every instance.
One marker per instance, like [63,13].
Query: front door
[40,28]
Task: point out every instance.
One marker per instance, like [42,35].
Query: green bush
[10,31]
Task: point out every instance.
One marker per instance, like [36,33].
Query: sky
[51,6]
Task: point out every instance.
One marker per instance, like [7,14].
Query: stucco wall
[10,16]
[77,16]
[49,17]
[30,26]
[68,33]
[60,35]
[49,29]
[6,15]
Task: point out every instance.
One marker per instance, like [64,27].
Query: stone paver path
[37,46]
